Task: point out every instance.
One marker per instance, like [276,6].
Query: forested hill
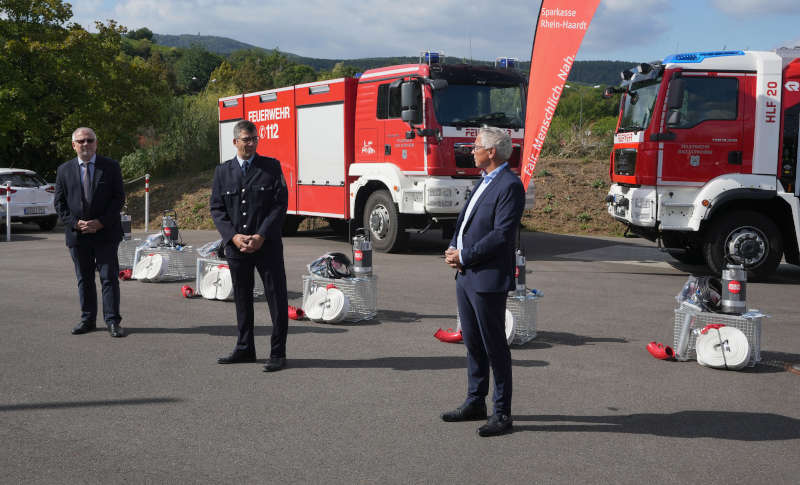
[587,72]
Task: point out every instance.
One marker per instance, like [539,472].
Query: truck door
[708,138]
[405,153]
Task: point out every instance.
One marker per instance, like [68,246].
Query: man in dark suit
[88,198]
[482,250]
[248,206]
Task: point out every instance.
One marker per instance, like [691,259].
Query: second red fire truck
[705,157]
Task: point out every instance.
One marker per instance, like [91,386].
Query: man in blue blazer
[248,206]
[482,250]
[89,195]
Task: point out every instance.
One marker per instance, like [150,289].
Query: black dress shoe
[498,424]
[474,411]
[275,364]
[83,327]
[237,358]
[116,331]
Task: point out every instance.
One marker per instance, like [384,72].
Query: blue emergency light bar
[430,58]
[695,57]
[506,62]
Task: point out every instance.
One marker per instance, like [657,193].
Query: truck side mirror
[408,101]
[675,94]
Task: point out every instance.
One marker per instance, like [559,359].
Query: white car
[31,198]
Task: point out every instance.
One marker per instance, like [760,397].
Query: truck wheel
[290,225]
[48,224]
[381,217]
[747,238]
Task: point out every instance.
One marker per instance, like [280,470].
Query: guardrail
[8,211]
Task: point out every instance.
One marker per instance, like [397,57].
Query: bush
[188,144]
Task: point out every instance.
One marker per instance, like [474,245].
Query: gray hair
[83,128]
[244,125]
[498,139]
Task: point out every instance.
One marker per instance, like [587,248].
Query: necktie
[244,167]
[87,182]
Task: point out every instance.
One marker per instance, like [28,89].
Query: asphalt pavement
[360,402]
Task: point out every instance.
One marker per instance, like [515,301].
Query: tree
[57,77]
[340,69]
[194,68]
[143,33]
[295,74]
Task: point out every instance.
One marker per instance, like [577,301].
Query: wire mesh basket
[218,268]
[362,293]
[180,262]
[749,323]
[126,252]
[524,310]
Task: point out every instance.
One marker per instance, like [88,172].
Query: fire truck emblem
[405,154]
[792,86]
[694,161]
[368,148]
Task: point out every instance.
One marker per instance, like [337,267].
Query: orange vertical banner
[559,32]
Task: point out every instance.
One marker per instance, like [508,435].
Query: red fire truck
[390,150]
[705,157]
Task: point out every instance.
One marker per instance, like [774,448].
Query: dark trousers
[273,275]
[482,318]
[101,257]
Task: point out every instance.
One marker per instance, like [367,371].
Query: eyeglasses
[85,140]
[248,139]
[475,147]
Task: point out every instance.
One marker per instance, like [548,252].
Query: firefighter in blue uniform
[248,206]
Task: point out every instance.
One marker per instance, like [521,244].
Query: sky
[624,30]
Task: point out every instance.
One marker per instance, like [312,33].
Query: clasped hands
[248,243]
[89,227]
[451,257]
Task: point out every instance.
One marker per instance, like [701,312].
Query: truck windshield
[478,105]
[637,105]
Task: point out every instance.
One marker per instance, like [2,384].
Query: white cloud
[757,7]
[620,23]
[336,28]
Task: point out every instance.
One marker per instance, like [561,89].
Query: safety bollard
[8,211]
[146,201]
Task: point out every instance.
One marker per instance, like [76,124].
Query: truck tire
[48,224]
[744,237]
[382,219]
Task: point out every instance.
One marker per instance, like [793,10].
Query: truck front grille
[625,161]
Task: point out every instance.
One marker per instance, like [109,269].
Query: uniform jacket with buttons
[251,204]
